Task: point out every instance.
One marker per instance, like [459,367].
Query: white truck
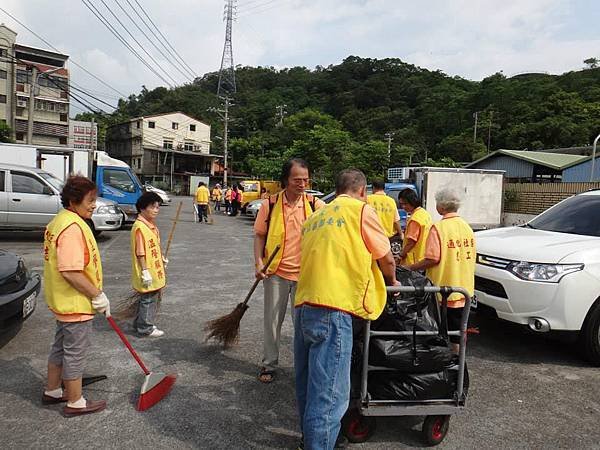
[480,191]
[114,178]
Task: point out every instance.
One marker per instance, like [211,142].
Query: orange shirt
[140,244]
[413,231]
[72,255]
[373,235]
[289,268]
[433,245]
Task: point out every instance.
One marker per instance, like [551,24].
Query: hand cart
[359,423]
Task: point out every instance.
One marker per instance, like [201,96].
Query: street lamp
[594,158]
[34,81]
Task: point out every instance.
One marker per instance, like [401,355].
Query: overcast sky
[469,38]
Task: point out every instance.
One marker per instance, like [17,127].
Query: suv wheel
[590,336]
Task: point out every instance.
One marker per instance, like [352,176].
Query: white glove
[101,304]
[165,262]
[146,278]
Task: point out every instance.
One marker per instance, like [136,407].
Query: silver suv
[30,198]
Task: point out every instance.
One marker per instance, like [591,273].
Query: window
[23,76]
[576,215]
[20,136]
[63,117]
[168,144]
[188,146]
[192,127]
[2,98]
[26,184]
[174,125]
[3,52]
[137,124]
[151,124]
[62,140]
[2,178]
[3,74]
[118,179]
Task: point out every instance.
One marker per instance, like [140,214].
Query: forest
[338,116]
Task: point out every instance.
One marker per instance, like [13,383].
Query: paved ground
[525,392]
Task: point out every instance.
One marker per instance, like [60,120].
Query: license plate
[28,305]
[474,302]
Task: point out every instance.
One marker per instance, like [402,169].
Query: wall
[515,168]
[153,137]
[534,198]
[581,172]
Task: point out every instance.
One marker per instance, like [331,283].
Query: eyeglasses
[300,180]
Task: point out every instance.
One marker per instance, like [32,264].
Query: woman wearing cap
[73,290]
[216,196]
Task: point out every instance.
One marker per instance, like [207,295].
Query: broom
[127,308]
[226,329]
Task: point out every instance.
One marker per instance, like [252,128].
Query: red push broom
[156,385]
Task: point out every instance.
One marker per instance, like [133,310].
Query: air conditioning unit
[21,103]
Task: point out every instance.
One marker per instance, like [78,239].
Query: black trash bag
[400,311]
[428,354]
[384,385]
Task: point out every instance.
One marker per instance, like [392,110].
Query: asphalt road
[525,392]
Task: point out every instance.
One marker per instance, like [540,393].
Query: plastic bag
[384,385]
[430,354]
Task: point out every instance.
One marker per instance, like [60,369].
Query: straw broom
[127,308]
[226,329]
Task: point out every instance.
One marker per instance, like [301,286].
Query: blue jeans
[144,321]
[322,352]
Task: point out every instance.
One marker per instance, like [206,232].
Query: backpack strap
[272,200]
[311,200]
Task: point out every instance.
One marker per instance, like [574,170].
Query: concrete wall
[163,129]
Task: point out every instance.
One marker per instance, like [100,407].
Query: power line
[164,37]
[89,5]
[151,41]
[57,50]
[259,11]
[115,33]
[260,5]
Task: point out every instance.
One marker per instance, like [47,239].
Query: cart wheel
[435,429]
[356,427]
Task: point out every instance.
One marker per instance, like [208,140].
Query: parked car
[546,274]
[30,198]
[163,195]
[18,290]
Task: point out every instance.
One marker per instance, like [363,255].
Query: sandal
[266,375]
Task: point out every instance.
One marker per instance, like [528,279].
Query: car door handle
[16,199]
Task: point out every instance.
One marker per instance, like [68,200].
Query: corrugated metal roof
[557,161]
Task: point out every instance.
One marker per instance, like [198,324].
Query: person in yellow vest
[263,193]
[228,194]
[417,227]
[148,274]
[450,254]
[202,202]
[346,264]
[279,222]
[217,194]
[386,209]
[73,290]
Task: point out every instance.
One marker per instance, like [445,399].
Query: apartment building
[34,90]
[83,135]
[166,148]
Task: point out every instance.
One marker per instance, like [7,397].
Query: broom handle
[173,228]
[115,327]
[264,269]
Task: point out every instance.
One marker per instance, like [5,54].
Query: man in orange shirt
[450,254]
[279,222]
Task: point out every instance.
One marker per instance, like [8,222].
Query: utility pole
[281,112]
[389,136]
[93,134]
[32,90]
[490,131]
[475,116]
[227,86]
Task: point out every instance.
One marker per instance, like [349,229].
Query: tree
[592,63]
[5,133]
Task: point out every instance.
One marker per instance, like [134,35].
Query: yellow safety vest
[202,195]
[386,210]
[276,233]
[423,219]
[337,270]
[153,257]
[61,297]
[457,259]
[216,194]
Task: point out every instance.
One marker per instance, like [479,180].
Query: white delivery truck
[480,191]
[114,178]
